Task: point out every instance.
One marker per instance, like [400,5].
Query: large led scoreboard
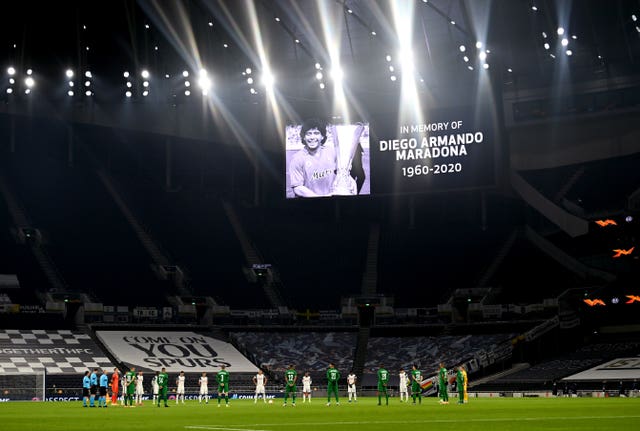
[450,149]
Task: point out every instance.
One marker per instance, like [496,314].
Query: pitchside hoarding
[176,351]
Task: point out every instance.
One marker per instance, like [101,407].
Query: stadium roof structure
[527,42]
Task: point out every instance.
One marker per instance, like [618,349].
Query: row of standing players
[94,387]
[414,380]
[133,386]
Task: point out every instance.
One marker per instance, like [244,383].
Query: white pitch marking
[531,419]
[207,427]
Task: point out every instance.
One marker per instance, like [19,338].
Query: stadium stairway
[360,355]
[87,329]
[514,369]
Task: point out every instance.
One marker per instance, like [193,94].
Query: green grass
[520,414]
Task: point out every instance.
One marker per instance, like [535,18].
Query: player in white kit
[306,388]
[351,387]
[154,387]
[180,391]
[404,386]
[260,380]
[139,388]
[203,381]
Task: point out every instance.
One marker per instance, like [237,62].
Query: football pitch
[521,414]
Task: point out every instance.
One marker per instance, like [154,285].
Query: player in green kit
[333,376]
[383,380]
[416,380]
[460,384]
[130,381]
[223,385]
[290,379]
[442,384]
[163,386]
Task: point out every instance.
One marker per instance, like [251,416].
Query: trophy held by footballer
[345,140]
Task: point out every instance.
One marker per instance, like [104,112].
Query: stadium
[378,212]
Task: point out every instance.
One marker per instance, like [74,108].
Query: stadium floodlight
[88,93]
[564,41]
[166,75]
[510,70]
[547,46]
[185,73]
[482,56]
[249,80]
[27,91]
[248,71]
[277,19]
[145,93]
[187,93]
[70,93]
[87,83]
[210,23]
[69,73]
[253,91]
[29,82]
[337,74]
[71,84]
[204,82]
[268,80]
[485,66]
[479,45]
[560,31]
[145,84]
[392,69]
[129,84]
[29,72]
[470,67]
[393,78]
[534,8]
[373,33]
[126,74]
[322,85]
[634,17]
[145,74]
[318,67]
[388,57]
[544,34]
[11,71]
[187,84]
[319,76]
[462,48]
[88,74]
[569,52]
[128,93]
[9,90]
[466,59]
[12,81]
[225,45]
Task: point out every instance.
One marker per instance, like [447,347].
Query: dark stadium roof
[51,36]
